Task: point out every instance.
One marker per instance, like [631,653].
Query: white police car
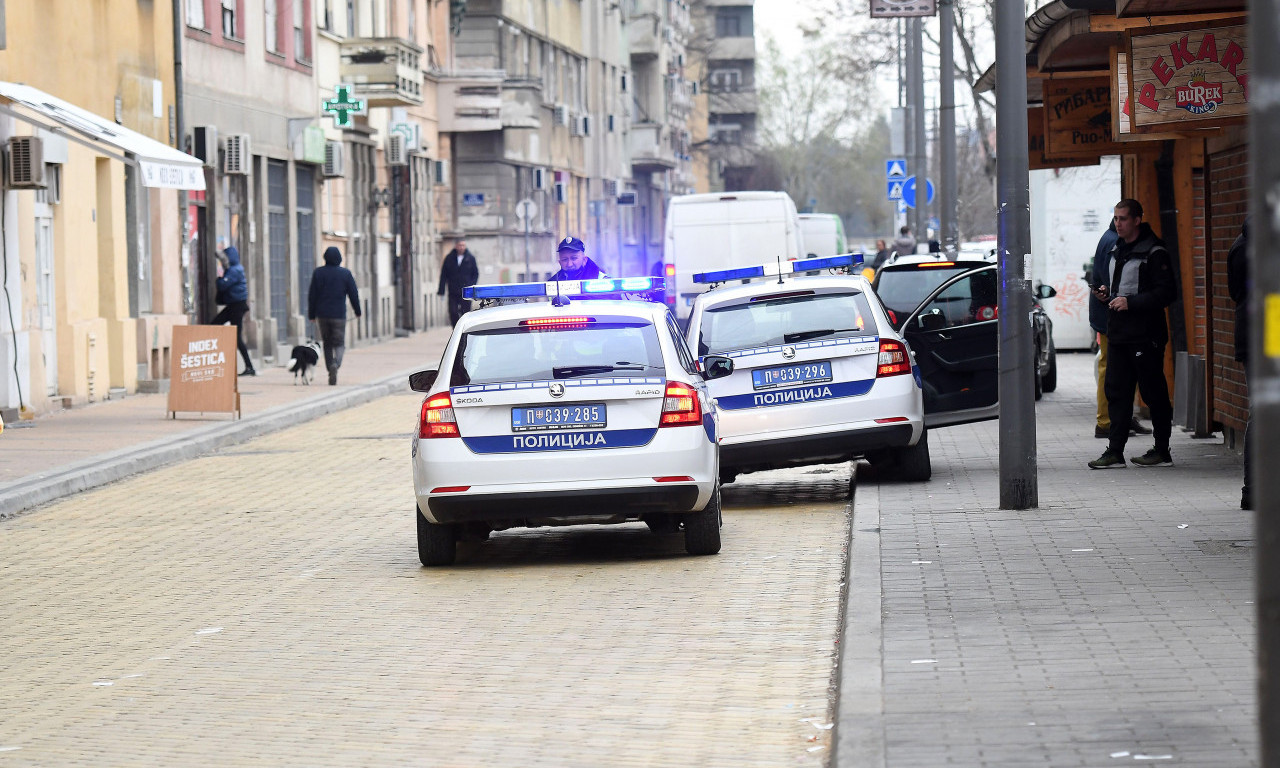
[585,409]
[820,374]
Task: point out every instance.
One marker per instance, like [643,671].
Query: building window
[726,133]
[272,25]
[301,40]
[195,14]
[326,15]
[728,25]
[229,28]
[726,79]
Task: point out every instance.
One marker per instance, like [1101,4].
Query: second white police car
[820,374]
[588,408]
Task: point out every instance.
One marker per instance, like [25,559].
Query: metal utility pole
[919,163]
[1018,481]
[1264,358]
[950,230]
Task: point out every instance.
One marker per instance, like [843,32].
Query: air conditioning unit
[559,194]
[397,149]
[561,116]
[204,144]
[442,173]
[539,178]
[26,163]
[611,187]
[578,125]
[334,168]
[237,160]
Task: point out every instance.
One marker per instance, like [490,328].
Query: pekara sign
[202,370]
[1180,77]
[1077,118]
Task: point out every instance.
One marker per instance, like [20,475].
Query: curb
[859,717]
[27,493]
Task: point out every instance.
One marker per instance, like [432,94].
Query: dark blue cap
[571,244]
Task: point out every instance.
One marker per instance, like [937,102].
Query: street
[265,605]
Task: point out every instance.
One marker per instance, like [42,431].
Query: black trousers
[333,334]
[457,308]
[1140,365]
[234,313]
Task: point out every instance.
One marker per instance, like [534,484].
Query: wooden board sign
[1036,161]
[202,370]
[1077,118]
[1189,78]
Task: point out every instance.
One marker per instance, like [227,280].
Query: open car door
[955,339]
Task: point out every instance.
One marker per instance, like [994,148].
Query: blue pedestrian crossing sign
[895,168]
[909,192]
[895,188]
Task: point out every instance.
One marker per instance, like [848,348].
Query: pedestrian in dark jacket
[233,291]
[1139,285]
[458,271]
[1238,286]
[332,286]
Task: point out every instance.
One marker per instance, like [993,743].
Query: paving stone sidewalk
[67,451]
[1113,625]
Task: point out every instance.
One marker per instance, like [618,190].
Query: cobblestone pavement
[263,605]
[1113,625]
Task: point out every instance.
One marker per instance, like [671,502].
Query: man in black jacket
[331,287]
[1139,285]
[1238,287]
[458,271]
[574,264]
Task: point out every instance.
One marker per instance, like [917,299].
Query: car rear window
[589,350]
[784,320]
[902,290]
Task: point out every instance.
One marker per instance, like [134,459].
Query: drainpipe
[180,131]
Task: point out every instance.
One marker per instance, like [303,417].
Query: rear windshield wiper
[802,335]
[569,371]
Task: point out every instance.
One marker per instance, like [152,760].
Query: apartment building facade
[727,103]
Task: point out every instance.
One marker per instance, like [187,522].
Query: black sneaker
[1153,458]
[1108,460]
[249,372]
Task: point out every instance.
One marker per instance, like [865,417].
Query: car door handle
[944,336]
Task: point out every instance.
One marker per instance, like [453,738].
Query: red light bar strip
[543,322]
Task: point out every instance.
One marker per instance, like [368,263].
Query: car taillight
[893,359]
[437,417]
[680,406]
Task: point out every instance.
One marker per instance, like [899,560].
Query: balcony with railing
[383,71]
[645,29]
[650,149]
[732,101]
[471,101]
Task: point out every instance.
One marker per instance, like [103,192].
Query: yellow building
[92,276]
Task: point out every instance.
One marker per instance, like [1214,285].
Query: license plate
[792,375]
[541,418]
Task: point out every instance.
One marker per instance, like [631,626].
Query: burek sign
[202,370]
[1186,76]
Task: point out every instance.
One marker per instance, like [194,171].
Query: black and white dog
[304,359]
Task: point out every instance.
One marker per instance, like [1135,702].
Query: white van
[823,234]
[722,230]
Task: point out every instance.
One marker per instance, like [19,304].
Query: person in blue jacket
[233,292]
[574,264]
[331,287]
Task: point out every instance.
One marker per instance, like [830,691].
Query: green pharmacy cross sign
[342,106]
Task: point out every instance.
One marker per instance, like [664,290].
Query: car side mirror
[931,320]
[716,367]
[1045,291]
[422,381]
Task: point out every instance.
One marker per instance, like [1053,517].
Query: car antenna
[778,257]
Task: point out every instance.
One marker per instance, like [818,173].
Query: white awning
[160,165]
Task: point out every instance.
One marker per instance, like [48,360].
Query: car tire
[1049,381]
[1037,376]
[913,465]
[437,544]
[702,529]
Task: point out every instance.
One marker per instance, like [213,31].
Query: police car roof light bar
[784,268]
[561,289]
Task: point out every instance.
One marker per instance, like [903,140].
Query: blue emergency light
[775,270]
[618,285]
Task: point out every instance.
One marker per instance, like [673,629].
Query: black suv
[947,309]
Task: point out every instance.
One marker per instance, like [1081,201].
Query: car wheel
[1049,381]
[437,544]
[1039,383]
[702,529]
[913,464]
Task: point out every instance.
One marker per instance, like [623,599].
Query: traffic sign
[895,168]
[526,209]
[909,192]
[895,189]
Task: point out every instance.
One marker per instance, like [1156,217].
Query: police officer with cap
[574,264]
